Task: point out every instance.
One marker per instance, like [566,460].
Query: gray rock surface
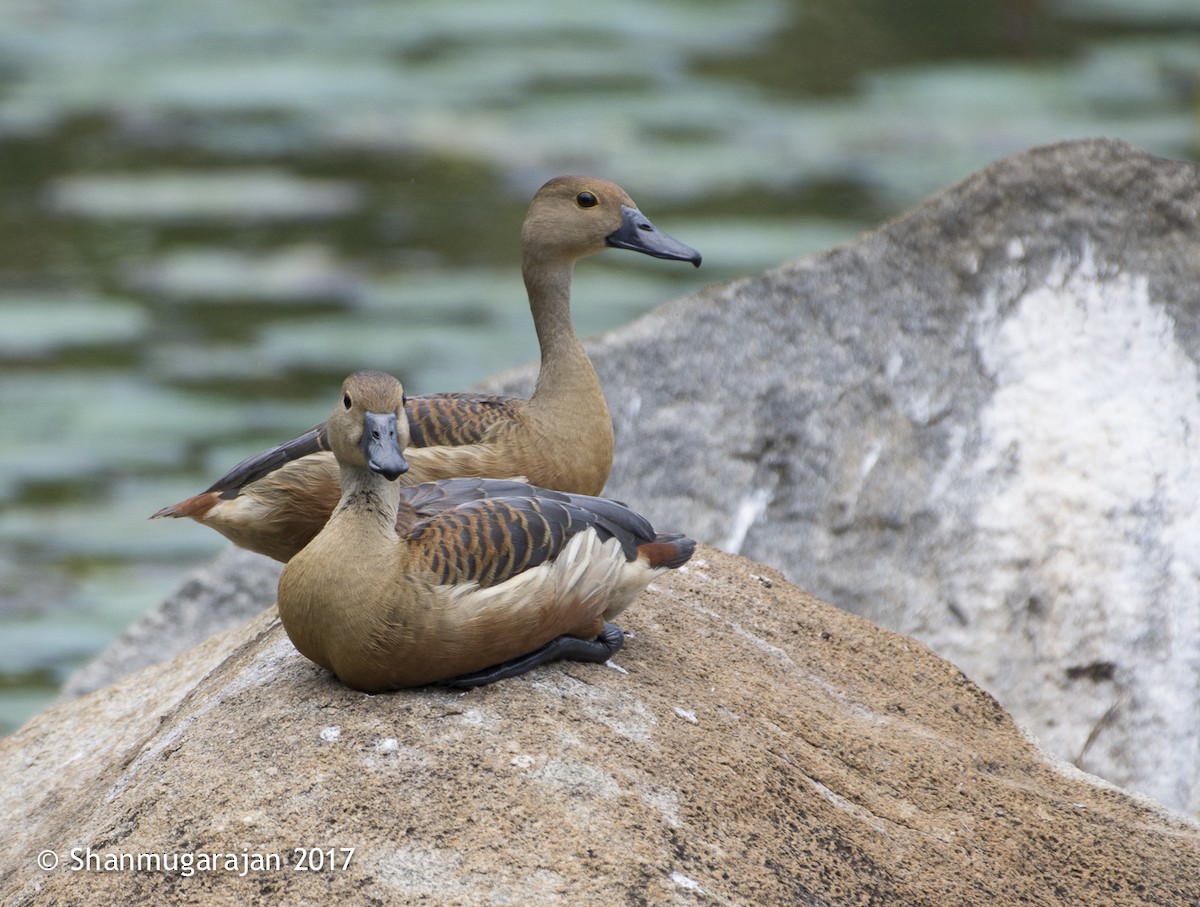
[236,585]
[974,425]
[750,745]
[977,425]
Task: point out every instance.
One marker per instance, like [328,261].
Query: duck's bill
[380,447]
[638,234]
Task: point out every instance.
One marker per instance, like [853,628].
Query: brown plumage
[410,585]
[561,438]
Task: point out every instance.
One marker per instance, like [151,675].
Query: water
[213,211]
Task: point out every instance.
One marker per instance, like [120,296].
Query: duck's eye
[346,401]
[586,200]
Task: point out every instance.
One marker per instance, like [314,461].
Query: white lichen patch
[748,512]
[727,716]
[630,718]
[686,715]
[578,781]
[411,869]
[664,801]
[687,884]
[1090,548]
[389,754]
[695,567]
[331,734]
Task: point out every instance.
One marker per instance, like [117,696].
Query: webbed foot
[600,650]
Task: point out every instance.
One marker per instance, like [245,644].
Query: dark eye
[586,200]
[346,401]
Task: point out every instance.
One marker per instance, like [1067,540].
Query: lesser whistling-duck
[561,438]
[461,581]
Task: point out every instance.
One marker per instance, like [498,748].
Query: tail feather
[196,507]
[668,550]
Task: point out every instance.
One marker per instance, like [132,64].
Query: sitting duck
[561,438]
[459,582]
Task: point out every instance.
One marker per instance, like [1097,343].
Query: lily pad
[291,276]
[190,196]
[37,326]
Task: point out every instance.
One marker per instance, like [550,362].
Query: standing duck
[561,438]
[459,582]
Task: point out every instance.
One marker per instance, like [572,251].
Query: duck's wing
[435,420]
[431,498]
[452,420]
[487,531]
[254,467]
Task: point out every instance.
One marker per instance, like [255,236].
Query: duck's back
[455,419]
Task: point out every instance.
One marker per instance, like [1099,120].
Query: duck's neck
[369,503]
[348,562]
[566,378]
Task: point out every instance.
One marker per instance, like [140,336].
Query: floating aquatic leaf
[35,326]
[292,276]
[232,195]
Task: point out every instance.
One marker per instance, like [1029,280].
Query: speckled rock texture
[975,425]
[750,745]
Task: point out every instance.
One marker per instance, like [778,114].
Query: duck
[560,438]
[459,582]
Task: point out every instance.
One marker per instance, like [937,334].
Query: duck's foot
[600,649]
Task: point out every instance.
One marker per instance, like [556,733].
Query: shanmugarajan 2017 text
[188,863]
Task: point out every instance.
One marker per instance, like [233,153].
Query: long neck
[567,377]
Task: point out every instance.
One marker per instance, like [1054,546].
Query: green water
[212,211]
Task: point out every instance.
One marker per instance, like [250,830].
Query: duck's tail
[668,551]
[196,507]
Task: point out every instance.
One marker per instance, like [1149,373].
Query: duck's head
[574,216]
[368,427]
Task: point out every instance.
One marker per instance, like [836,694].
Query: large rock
[220,595]
[751,745]
[977,425]
[974,425]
